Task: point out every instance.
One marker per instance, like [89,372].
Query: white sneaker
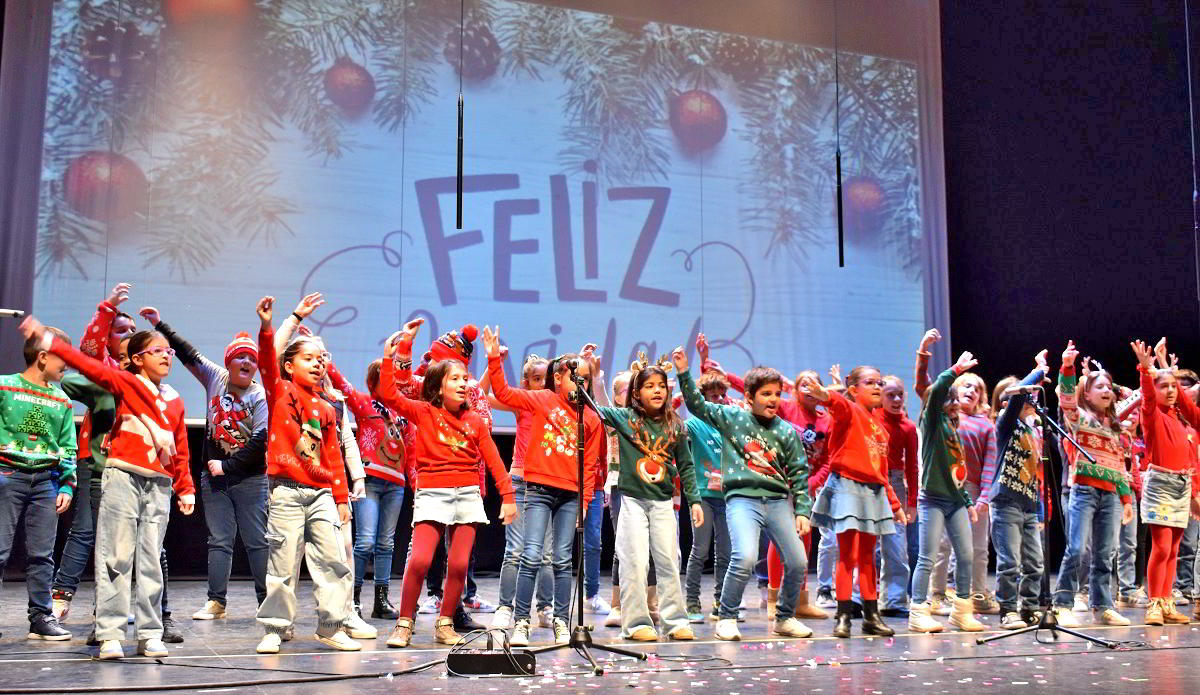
[1066,617]
[502,618]
[1081,604]
[60,606]
[111,649]
[727,630]
[358,628]
[269,644]
[562,634]
[825,599]
[792,628]
[1112,617]
[152,647]
[597,605]
[431,605]
[478,605]
[340,641]
[614,618]
[212,610]
[546,617]
[520,634]
[1180,599]
[1012,621]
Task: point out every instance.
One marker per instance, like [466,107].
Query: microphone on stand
[11,314]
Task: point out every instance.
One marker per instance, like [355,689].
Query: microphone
[1028,389]
[11,313]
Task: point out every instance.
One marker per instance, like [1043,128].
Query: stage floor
[218,656]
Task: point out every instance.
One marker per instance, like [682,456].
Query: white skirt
[449,505]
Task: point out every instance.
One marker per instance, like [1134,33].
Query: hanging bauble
[480,51]
[117,52]
[698,119]
[739,57]
[863,198]
[105,186]
[184,14]
[350,86]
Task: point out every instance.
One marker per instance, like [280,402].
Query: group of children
[285,470]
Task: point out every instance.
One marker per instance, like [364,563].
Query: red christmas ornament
[350,86]
[105,186]
[188,13]
[698,119]
[863,198]
[480,51]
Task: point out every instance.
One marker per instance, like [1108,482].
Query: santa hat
[454,345]
[241,343]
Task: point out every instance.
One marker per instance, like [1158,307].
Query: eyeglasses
[159,350]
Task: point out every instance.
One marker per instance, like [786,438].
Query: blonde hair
[984,407]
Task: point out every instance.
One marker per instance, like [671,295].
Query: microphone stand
[1048,620]
[581,634]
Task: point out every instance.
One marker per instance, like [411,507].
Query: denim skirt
[1166,497]
[848,505]
[449,505]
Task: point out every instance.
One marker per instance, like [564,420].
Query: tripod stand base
[581,642]
[1050,622]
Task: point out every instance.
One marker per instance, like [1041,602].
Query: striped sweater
[1099,440]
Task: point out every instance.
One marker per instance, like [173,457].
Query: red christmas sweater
[1169,444]
[450,446]
[384,438]
[94,344]
[302,437]
[902,450]
[148,437]
[550,456]
[858,445]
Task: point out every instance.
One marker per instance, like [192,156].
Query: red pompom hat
[242,342]
[454,345]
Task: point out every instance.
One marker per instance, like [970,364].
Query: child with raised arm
[763,462]
[148,456]
[712,535]
[857,501]
[308,494]
[233,484]
[943,504]
[1171,483]
[37,473]
[654,450]
[551,477]
[451,441]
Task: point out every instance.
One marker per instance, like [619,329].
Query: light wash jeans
[1185,571]
[514,545]
[1094,516]
[937,515]
[827,556]
[747,517]
[1127,544]
[712,535]
[305,515]
[130,528]
[547,507]
[1018,543]
[77,550]
[892,554]
[233,507]
[375,519]
[981,532]
[649,528]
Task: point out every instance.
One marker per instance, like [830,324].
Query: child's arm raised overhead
[711,413]
[937,394]
[921,380]
[109,378]
[95,337]
[396,371]
[291,324]
[514,399]
[268,363]
[1187,407]
[204,369]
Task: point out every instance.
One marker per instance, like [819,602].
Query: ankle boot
[808,611]
[873,622]
[841,621]
[383,607]
[772,600]
[358,600]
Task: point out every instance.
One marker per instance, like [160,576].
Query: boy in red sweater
[551,477]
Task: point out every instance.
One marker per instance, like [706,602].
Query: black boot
[873,622]
[171,633]
[383,607]
[464,623]
[841,621]
[358,600]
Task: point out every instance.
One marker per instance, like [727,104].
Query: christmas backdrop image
[628,182]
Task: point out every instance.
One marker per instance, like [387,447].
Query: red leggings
[855,550]
[775,564]
[425,537]
[1160,566]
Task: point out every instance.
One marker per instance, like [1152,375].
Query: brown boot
[401,633]
[1154,612]
[806,610]
[443,632]
[1172,616]
[772,599]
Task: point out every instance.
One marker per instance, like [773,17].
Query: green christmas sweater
[103,408]
[758,459]
[943,462]
[37,429]
[650,457]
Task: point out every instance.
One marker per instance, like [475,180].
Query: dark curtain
[23,63]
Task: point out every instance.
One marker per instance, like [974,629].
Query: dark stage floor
[218,656]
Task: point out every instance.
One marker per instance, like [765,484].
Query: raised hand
[679,357]
[31,327]
[702,347]
[266,309]
[1145,356]
[931,336]
[1069,354]
[588,354]
[491,341]
[150,314]
[119,293]
[1160,353]
[309,304]
[809,386]
[389,345]
[835,374]
[966,361]
[1042,360]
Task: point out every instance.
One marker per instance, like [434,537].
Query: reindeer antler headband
[642,362]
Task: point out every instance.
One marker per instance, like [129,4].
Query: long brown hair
[669,419]
[1085,384]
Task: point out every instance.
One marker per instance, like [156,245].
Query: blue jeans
[77,550]
[232,507]
[30,496]
[375,518]
[893,553]
[1093,516]
[935,516]
[827,555]
[514,545]
[1127,583]
[1018,544]
[547,507]
[592,541]
[747,517]
[714,535]
[1185,572]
